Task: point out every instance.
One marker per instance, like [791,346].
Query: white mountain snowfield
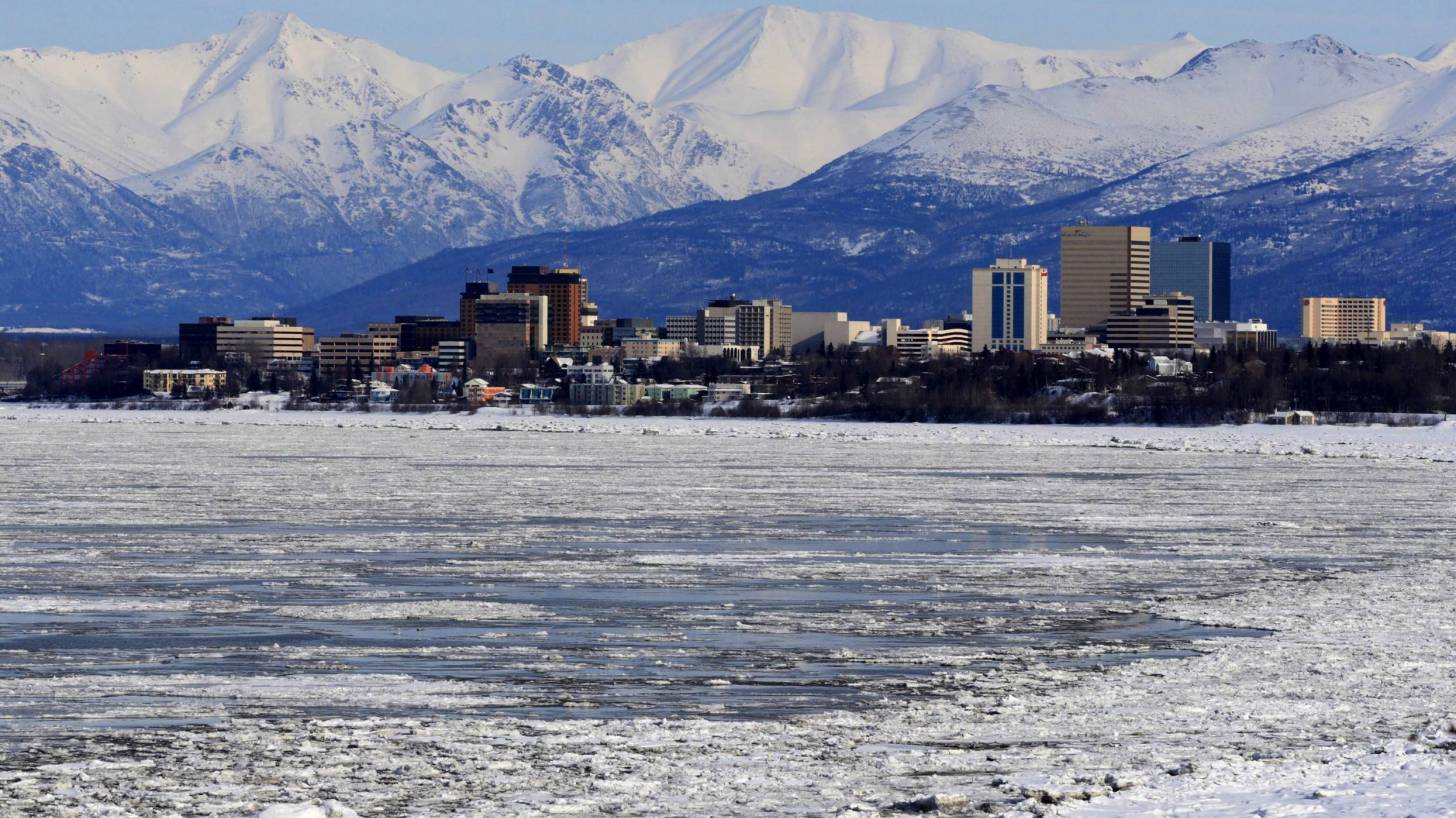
[813,86]
[321,160]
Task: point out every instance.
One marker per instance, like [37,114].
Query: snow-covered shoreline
[1337,539]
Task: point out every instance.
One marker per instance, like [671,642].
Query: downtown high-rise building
[1009,306]
[1196,267]
[1105,272]
[566,295]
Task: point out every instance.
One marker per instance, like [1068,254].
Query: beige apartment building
[1343,320]
[1009,306]
[164,381]
[1105,272]
[265,339]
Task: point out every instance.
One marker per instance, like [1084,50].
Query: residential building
[264,339]
[1009,306]
[197,341]
[1158,322]
[566,292]
[590,373]
[164,382]
[478,392]
[611,392]
[511,322]
[651,348]
[1105,272]
[818,331]
[354,352]
[1197,267]
[673,391]
[1342,319]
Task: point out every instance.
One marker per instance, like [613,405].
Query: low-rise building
[1165,367]
[651,348]
[165,382]
[817,331]
[341,355]
[1159,322]
[674,391]
[260,340]
[613,392]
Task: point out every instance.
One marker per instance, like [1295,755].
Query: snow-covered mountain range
[280,163]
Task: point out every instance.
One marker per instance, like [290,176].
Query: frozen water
[225,613]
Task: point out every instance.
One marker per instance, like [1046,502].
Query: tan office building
[1009,306]
[1343,320]
[264,340]
[1105,272]
[340,354]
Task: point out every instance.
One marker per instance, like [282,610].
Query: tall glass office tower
[1196,267]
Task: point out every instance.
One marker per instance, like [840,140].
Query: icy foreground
[1026,677]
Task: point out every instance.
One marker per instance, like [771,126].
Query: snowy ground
[1015,619]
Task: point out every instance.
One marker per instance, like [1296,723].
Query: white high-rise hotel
[1009,306]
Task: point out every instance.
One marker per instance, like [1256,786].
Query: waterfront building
[1197,267]
[1105,271]
[164,381]
[565,290]
[1158,322]
[1009,306]
[1342,319]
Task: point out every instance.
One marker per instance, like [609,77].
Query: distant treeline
[1224,386]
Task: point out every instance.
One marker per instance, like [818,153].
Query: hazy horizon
[465,36]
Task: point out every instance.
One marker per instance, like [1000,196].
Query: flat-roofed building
[511,322]
[818,331]
[651,348]
[1196,267]
[265,339]
[341,355]
[468,295]
[165,381]
[1159,322]
[197,340]
[1343,319]
[1009,306]
[1105,272]
[682,328]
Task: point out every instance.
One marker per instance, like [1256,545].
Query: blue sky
[469,34]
